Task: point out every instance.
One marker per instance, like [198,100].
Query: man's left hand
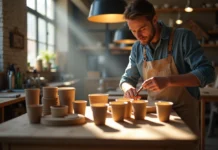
[156,83]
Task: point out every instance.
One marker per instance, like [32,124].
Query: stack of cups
[32,96]
[50,98]
[67,97]
[34,109]
[99,106]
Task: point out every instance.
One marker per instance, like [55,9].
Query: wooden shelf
[210,45]
[170,10]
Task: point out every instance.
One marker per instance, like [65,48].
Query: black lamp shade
[124,35]
[107,11]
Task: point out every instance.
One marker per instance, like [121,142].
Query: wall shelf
[170,10]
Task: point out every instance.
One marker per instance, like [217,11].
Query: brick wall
[1,37]
[12,14]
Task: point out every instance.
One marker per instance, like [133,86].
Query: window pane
[41,6]
[31,51]
[50,33]
[50,9]
[31,4]
[51,48]
[31,26]
[42,47]
[42,30]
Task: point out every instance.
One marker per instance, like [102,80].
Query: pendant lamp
[188,7]
[179,20]
[124,35]
[107,11]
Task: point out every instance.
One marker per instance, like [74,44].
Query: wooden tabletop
[209,92]
[145,132]
[12,100]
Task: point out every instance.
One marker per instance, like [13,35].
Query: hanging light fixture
[124,35]
[107,11]
[179,20]
[188,7]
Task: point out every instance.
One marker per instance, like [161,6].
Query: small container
[59,111]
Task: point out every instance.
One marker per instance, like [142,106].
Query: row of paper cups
[123,107]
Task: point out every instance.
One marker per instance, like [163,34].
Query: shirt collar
[165,31]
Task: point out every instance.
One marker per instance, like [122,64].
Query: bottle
[11,80]
[18,79]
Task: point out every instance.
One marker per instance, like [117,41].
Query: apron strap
[170,45]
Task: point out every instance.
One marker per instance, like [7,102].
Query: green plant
[47,55]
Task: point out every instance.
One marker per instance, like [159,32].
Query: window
[40,28]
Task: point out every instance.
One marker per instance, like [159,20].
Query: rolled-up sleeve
[131,74]
[194,56]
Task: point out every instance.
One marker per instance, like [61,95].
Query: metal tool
[139,90]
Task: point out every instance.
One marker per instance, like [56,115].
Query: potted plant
[47,57]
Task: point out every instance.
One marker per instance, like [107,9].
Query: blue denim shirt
[187,54]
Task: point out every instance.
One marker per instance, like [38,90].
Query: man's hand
[131,93]
[156,83]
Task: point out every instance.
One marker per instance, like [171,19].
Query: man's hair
[138,8]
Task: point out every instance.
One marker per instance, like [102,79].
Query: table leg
[202,124]
[2,114]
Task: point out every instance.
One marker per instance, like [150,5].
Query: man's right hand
[129,91]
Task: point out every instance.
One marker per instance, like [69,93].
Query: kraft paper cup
[34,113]
[32,96]
[128,108]
[98,98]
[118,110]
[50,92]
[99,111]
[59,111]
[139,108]
[79,106]
[67,97]
[163,110]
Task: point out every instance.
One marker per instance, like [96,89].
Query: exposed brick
[12,14]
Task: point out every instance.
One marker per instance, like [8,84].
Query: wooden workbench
[9,101]
[207,95]
[18,134]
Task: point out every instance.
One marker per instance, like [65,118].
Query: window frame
[47,20]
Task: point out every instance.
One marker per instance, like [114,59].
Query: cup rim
[66,88]
[164,103]
[124,99]
[99,105]
[80,101]
[98,94]
[140,101]
[118,103]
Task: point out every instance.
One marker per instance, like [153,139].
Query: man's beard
[151,37]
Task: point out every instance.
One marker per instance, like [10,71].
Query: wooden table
[9,101]
[207,95]
[18,134]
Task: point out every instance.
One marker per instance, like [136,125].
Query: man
[170,62]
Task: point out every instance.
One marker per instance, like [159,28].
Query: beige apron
[186,106]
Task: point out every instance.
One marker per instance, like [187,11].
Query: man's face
[142,29]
